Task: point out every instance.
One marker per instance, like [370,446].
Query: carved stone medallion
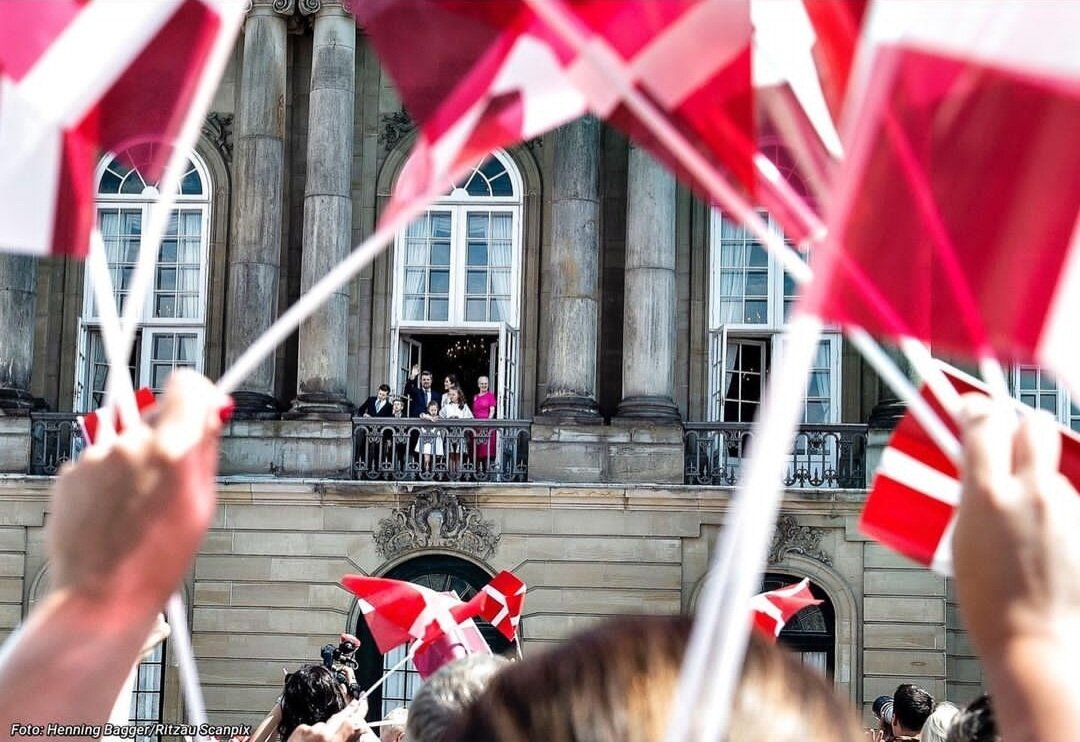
[394,126]
[437,518]
[217,128]
[792,538]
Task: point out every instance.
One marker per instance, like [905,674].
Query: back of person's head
[976,723]
[616,683]
[936,728]
[912,706]
[393,728]
[311,694]
[445,694]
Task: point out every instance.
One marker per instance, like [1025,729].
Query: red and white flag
[398,612]
[489,73]
[955,219]
[916,490]
[505,599]
[773,609]
[79,78]
[91,422]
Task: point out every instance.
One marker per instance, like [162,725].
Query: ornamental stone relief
[393,127]
[437,518]
[792,538]
[218,130]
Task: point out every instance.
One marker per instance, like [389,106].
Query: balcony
[413,450]
[823,457]
[55,437]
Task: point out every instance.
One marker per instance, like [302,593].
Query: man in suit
[379,405]
[420,396]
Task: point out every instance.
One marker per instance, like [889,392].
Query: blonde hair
[616,682]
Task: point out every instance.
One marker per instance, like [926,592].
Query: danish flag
[916,490]
[773,609]
[490,73]
[955,216]
[79,78]
[397,612]
[505,599]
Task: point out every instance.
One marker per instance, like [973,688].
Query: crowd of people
[127,520]
[431,446]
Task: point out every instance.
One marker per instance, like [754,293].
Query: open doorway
[466,355]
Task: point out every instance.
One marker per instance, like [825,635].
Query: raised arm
[1017,561]
[124,525]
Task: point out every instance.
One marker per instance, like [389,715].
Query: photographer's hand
[123,526]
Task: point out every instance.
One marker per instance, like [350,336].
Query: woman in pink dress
[483,408]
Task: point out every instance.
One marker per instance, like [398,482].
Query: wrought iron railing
[823,457]
[55,437]
[410,449]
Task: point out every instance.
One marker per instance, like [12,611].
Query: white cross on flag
[398,612]
[773,609]
[79,78]
[916,490]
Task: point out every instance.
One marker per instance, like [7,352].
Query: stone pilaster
[574,269]
[255,255]
[648,369]
[18,277]
[322,374]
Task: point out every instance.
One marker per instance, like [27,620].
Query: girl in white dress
[456,409]
[430,442]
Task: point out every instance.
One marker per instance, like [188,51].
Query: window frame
[147,324]
[772,332]
[1063,403]
[460,204]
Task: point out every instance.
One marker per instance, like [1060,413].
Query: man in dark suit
[379,405]
[420,396]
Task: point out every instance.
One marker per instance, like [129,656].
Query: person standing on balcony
[448,383]
[379,405]
[422,395]
[456,409]
[483,408]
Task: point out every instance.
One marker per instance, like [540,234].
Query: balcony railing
[442,451]
[55,437]
[823,457]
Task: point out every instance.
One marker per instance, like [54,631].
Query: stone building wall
[263,593]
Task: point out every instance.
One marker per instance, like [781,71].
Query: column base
[16,402]
[571,408]
[320,407]
[255,406]
[648,407]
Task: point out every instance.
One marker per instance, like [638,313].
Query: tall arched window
[750,302]
[442,574]
[457,277]
[172,322]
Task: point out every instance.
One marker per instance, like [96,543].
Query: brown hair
[617,682]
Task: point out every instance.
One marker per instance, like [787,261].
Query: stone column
[574,270]
[18,284]
[260,178]
[322,373]
[648,369]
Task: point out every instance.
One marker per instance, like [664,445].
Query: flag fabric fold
[515,77]
[959,198]
[79,78]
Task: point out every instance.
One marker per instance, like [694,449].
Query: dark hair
[912,706]
[452,378]
[425,372]
[384,388]
[616,683]
[312,694]
[976,723]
